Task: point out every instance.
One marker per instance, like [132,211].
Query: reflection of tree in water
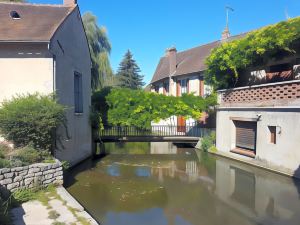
[128,148]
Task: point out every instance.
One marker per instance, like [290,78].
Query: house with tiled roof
[183,72]
[44,48]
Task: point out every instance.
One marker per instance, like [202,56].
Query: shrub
[31,118]
[208,142]
[4,163]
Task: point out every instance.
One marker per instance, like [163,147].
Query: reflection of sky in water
[143,172]
[113,170]
[180,221]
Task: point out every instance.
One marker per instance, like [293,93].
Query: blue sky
[148,27]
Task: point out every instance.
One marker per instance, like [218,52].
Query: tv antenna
[228,9]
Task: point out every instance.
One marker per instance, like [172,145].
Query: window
[166,88]
[78,95]
[272,134]
[183,85]
[15,15]
[156,88]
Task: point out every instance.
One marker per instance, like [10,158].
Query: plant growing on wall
[31,119]
[226,62]
[139,108]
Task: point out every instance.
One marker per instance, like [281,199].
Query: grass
[53,215]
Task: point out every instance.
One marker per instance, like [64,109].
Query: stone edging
[39,174]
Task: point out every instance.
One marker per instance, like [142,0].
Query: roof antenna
[287,16]
[226,32]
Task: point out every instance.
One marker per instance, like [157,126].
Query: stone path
[67,208]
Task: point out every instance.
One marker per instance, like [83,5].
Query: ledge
[244,152]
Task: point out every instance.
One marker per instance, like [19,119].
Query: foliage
[100,48]
[227,61]
[99,108]
[129,73]
[28,155]
[31,118]
[208,142]
[53,215]
[139,108]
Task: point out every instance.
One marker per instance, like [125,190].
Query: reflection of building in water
[186,171]
[256,194]
[163,148]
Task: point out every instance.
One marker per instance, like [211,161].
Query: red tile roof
[189,61]
[38,22]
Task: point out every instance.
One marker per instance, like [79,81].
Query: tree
[129,73]
[100,47]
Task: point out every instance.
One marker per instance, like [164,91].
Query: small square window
[273,134]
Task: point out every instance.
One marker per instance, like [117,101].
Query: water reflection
[164,184]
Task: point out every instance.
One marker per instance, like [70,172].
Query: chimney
[70,2]
[225,34]
[171,54]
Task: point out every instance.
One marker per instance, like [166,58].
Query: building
[183,72]
[258,121]
[43,48]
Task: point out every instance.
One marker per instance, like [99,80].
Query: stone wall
[42,174]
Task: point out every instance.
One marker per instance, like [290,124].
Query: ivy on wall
[227,61]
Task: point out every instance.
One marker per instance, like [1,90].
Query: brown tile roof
[189,61]
[38,22]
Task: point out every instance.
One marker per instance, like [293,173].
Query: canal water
[165,184]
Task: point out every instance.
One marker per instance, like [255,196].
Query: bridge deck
[176,139]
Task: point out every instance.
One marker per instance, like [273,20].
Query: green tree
[129,73]
[100,47]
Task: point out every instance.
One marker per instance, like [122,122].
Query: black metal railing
[155,131]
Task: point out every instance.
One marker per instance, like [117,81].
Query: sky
[149,27]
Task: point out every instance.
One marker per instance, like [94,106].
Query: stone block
[48,181]
[48,172]
[18,178]
[59,173]
[23,173]
[34,170]
[29,175]
[38,174]
[48,176]
[12,186]
[58,169]
[55,165]
[6,181]
[9,175]
[28,181]
[58,182]
[4,170]
[17,169]
[59,178]
[1,177]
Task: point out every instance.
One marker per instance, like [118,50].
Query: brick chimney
[225,34]
[171,54]
[70,2]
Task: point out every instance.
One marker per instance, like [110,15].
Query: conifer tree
[129,73]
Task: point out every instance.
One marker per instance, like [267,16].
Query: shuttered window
[78,95]
[272,134]
[246,135]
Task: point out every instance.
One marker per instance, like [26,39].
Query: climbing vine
[227,61]
[139,108]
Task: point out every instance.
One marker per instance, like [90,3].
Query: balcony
[266,95]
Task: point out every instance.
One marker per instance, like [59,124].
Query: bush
[208,142]
[31,118]
[29,155]
[4,163]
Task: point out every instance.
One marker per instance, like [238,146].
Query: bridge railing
[155,131]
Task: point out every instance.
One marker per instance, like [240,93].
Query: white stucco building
[261,123]
[43,48]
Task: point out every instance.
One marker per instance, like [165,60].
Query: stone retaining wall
[40,174]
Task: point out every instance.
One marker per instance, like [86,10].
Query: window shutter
[246,135]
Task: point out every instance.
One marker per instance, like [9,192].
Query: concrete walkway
[64,210]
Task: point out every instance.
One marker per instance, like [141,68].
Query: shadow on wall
[296,179]
[17,212]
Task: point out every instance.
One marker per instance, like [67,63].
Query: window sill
[243,152]
[78,114]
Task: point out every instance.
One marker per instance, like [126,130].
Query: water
[163,184]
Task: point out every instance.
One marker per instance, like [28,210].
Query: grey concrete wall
[40,174]
[72,55]
[284,155]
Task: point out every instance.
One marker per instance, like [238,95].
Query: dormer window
[15,15]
